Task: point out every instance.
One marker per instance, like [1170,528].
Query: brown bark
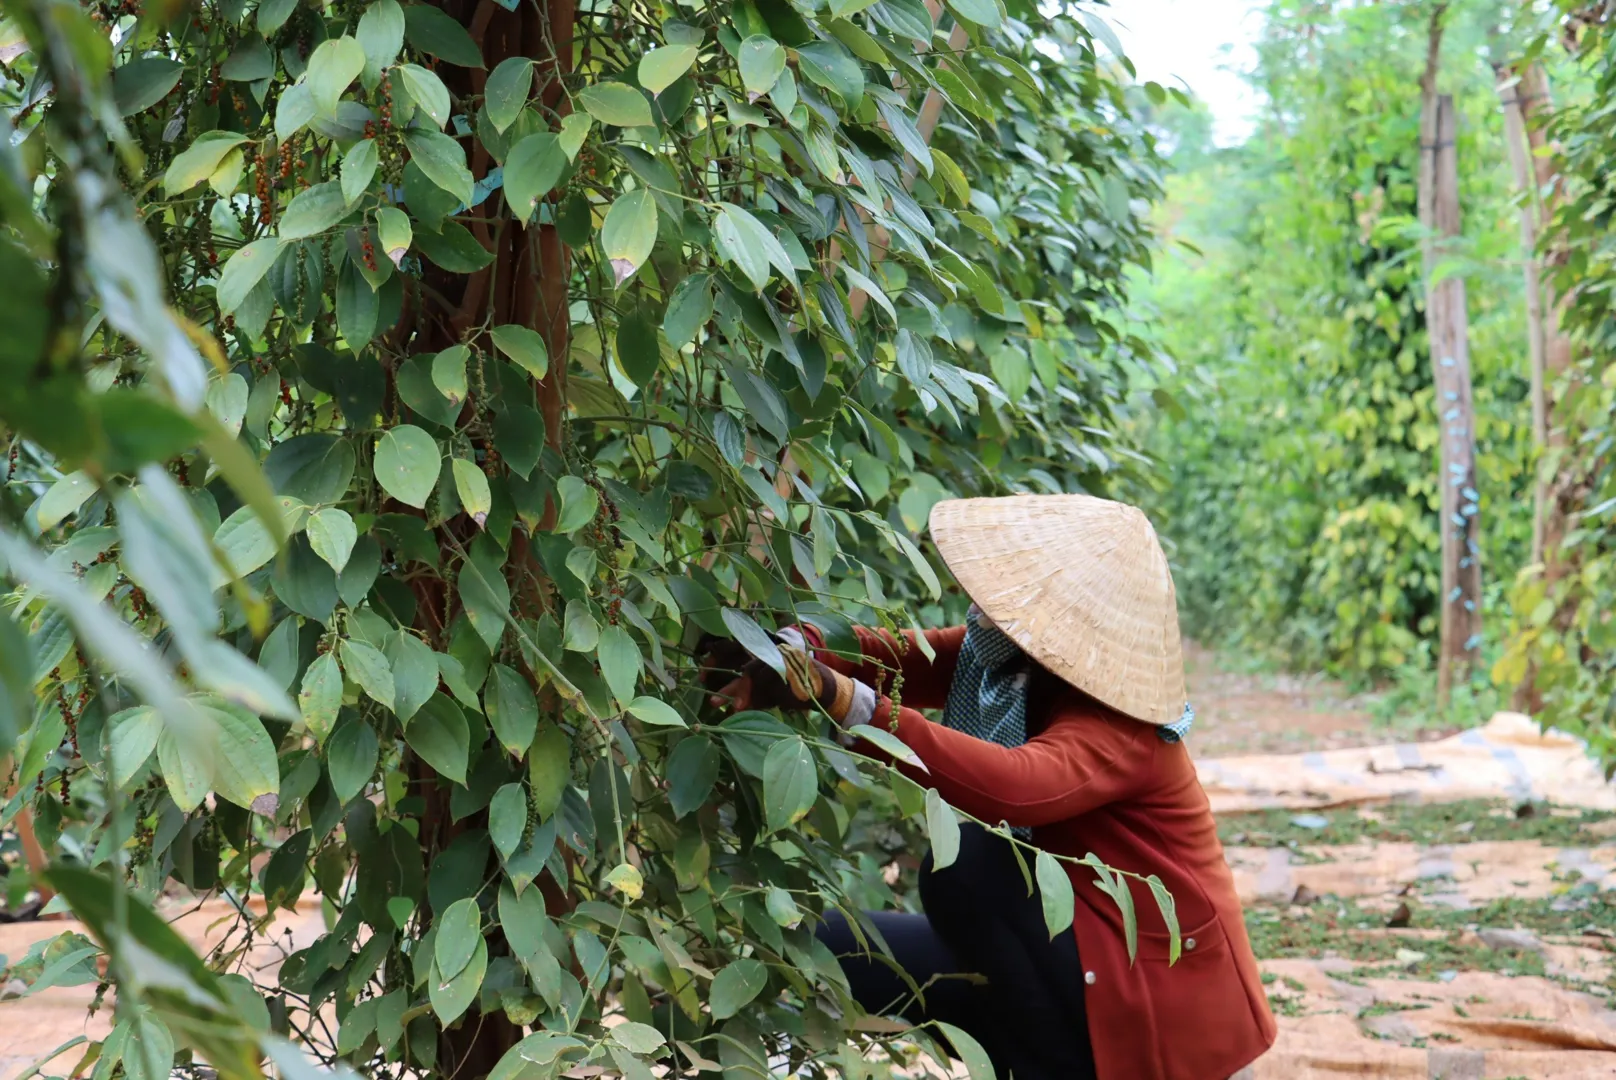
[527,284]
[1447,327]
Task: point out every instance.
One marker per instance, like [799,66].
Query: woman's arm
[1080,762]
[925,681]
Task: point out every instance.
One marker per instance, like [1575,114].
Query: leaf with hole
[629,233]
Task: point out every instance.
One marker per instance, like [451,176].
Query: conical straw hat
[1082,585]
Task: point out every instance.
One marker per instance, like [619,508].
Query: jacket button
[1088,977]
[1189,943]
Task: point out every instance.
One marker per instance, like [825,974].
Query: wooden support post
[1448,332]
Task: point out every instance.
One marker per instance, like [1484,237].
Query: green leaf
[745,241]
[438,733]
[1055,892]
[365,665]
[381,33]
[427,91]
[486,597]
[437,33]
[187,768]
[661,68]
[690,307]
[351,757]
[654,711]
[454,248]
[753,638]
[512,709]
[332,535]
[320,696]
[313,211]
[629,233]
[507,819]
[523,346]
[63,499]
[638,353]
[252,60]
[294,111]
[830,65]
[245,769]
[975,1059]
[894,747]
[620,661]
[246,542]
[199,160]
[942,827]
[407,464]
[459,928]
[142,83]
[507,91]
[638,1038]
[579,504]
[440,158]
[415,673]
[1169,913]
[452,997]
[580,632]
[692,770]
[333,66]
[762,60]
[394,233]
[574,131]
[736,986]
[549,768]
[533,167]
[449,373]
[616,104]
[790,783]
[134,734]
[245,269]
[984,13]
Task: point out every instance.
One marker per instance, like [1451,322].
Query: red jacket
[1091,780]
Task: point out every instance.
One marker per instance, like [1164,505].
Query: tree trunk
[1447,330]
[526,284]
[1515,139]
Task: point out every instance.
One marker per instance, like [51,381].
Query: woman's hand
[752,684]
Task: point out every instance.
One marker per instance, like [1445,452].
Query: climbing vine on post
[395,396]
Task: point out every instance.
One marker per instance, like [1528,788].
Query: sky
[1204,43]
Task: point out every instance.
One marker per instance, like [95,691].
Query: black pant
[983,961]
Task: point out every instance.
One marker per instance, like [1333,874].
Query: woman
[1063,712]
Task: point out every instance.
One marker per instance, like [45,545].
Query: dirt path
[1464,938]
